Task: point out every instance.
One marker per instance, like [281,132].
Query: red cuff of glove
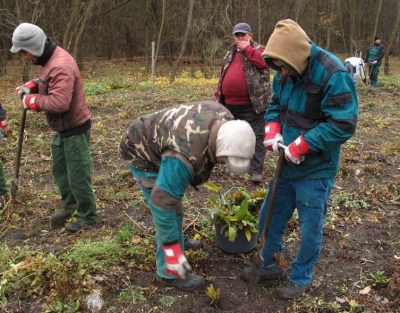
[273,128]
[31,85]
[299,147]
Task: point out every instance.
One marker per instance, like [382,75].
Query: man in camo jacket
[169,150]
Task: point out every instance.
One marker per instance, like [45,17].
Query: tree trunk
[184,42]
[129,45]
[86,18]
[377,18]
[391,39]
[160,31]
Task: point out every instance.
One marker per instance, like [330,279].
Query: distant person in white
[355,66]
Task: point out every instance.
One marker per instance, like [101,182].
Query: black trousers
[246,112]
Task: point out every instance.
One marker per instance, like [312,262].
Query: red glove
[4,126]
[273,136]
[176,263]
[29,102]
[294,153]
[25,89]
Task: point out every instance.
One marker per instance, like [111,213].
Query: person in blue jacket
[313,111]
[375,54]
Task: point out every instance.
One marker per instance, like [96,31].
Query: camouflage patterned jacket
[258,80]
[188,130]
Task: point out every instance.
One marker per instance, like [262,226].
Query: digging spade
[257,262]
[14,183]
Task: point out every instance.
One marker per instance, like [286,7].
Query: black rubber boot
[59,218]
[256,178]
[75,226]
[292,291]
[191,244]
[247,272]
[191,283]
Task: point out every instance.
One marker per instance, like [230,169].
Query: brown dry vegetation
[41,270]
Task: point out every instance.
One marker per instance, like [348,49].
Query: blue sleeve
[174,177]
[340,108]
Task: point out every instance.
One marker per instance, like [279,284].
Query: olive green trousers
[72,173]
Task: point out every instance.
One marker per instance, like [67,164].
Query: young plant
[214,295]
[231,216]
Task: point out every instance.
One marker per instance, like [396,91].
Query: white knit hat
[30,38]
[236,141]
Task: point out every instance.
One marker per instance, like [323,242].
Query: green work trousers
[3,182]
[72,174]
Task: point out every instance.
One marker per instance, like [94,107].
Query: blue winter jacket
[322,104]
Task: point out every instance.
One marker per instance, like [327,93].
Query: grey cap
[30,38]
[241,28]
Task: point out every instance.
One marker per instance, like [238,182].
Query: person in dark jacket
[244,88]
[59,92]
[313,111]
[375,54]
[167,151]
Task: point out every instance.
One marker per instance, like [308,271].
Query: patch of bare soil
[361,244]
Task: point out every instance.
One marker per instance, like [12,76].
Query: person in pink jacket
[59,93]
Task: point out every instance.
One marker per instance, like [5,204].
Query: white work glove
[25,89]
[295,152]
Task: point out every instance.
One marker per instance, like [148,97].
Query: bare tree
[377,18]
[392,38]
[184,42]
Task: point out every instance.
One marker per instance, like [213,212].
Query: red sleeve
[255,57]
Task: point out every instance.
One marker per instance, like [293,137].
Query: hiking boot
[191,244]
[292,291]
[256,178]
[191,283]
[248,272]
[75,226]
[59,218]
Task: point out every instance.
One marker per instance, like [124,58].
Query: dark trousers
[3,183]
[256,121]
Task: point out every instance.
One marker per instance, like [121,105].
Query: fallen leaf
[342,300]
[365,290]
[136,239]
[81,271]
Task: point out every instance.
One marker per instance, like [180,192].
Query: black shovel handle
[14,184]
[257,262]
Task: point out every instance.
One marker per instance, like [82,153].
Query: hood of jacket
[290,45]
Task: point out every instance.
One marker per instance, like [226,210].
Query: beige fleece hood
[289,44]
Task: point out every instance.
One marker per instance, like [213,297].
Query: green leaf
[211,186]
[247,233]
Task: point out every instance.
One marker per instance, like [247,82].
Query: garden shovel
[14,183]
[257,262]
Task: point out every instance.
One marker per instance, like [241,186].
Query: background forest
[198,30]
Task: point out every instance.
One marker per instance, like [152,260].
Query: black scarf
[48,51]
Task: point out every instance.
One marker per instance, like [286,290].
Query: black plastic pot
[240,245]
